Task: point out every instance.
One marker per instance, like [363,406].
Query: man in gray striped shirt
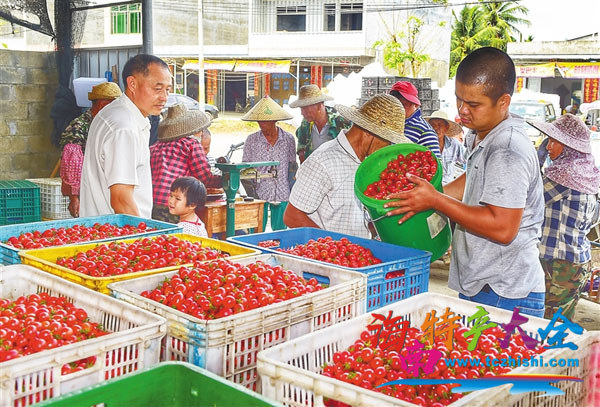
[415,127]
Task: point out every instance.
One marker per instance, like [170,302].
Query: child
[186,199]
[571,184]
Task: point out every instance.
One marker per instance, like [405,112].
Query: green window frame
[126,19]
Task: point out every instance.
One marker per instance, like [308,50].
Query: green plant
[402,49]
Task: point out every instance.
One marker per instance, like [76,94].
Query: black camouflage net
[32,14]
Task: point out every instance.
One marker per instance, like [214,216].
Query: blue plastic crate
[402,273]
[9,255]
[19,202]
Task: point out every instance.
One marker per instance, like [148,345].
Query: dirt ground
[229,129]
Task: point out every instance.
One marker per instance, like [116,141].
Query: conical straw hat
[266,110]
[382,115]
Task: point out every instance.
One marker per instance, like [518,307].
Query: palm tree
[469,32]
[503,16]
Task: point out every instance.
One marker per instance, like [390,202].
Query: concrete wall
[225,28]
[176,28]
[28,81]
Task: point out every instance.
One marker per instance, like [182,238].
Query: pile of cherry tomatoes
[369,363]
[116,258]
[220,288]
[37,322]
[73,234]
[393,178]
[342,252]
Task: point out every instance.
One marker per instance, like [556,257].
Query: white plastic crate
[54,204]
[290,372]
[133,344]
[228,346]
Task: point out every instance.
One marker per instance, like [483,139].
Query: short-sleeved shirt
[419,131]
[194,228]
[324,188]
[502,170]
[116,152]
[567,221]
[320,137]
[452,154]
[257,148]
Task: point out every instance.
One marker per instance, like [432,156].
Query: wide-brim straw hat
[454,129]
[266,110]
[309,95]
[382,115]
[105,90]
[568,129]
[181,122]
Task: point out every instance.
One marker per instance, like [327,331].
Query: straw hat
[382,115]
[569,130]
[309,95]
[454,129]
[181,122]
[105,90]
[266,110]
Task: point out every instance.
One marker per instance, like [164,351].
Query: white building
[252,47]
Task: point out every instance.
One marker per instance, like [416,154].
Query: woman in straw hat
[453,152]
[571,185]
[178,153]
[320,123]
[323,195]
[73,139]
[271,143]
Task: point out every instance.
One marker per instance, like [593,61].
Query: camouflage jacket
[303,134]
[77,131]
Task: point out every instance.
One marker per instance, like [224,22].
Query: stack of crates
[430,98]
[19,202]
[54,205]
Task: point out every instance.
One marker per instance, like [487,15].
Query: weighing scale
[232,174]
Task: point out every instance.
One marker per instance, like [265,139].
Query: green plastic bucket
[426,230]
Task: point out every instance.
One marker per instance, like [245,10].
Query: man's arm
[121,199]
[295,218]
[456,188]
[493,222]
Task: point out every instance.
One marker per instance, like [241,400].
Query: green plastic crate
[175,384]
[19,202]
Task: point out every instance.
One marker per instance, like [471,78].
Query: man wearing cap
[116,174]
[498,204]
[323,195]
[453,152]
[271,143]
[415,127]
[178,153]
[320,123]
[72,142]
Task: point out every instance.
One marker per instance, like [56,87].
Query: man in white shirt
[116,174]
[323,195]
